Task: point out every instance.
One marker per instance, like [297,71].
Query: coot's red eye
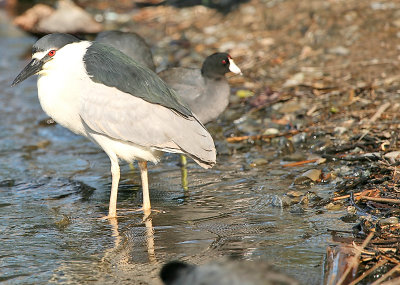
[223,61]
[51,53]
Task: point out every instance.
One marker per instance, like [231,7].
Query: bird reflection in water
[122,249]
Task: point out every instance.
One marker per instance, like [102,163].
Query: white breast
[60,84]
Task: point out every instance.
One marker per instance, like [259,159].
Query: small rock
[287,201]
[271,131]
[396,23]
[259,162]
[285,146]
[349,218]
[339,50]
[67,18]
[307,177]
[351,210]
[340,130]
[276,201]
[296,209]
[47,122]
[295,80]
[28,20]
[267,41]
[291,107]
[309,197]
[333,206]
[299,138]
[389,221]
[294,193]
[393,155]
[297,156]
[227,46]
[305,52]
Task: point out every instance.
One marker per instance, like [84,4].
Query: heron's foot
[108,217]
[146,212]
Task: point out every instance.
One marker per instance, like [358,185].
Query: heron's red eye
[51,53]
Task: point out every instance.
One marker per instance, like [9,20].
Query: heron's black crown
[53,41]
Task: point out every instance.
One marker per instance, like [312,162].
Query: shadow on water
[54,187]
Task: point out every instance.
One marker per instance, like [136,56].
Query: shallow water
[54,187]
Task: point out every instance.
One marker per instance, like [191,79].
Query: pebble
[296,209]
[259,162]
[349,218]
[307,177]
[333,206]
[389,221]
[271,131]
[295,80]
[351,210]
[393,155]
[340,130]
[299,138]
[339,50]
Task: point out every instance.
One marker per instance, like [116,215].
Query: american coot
[205,90]
[98,92]
[130,44]
[224,272]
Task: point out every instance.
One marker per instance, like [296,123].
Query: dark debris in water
[7,183]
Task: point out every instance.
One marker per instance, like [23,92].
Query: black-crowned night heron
[205,90]
[98,92]
[130,44]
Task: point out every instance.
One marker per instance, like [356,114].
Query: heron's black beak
[32,68]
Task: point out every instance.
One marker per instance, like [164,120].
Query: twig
[383,200]
[380,111]
[385,276]
[391,259]
[298,163]
[369,271]
[355,194]
[264,137]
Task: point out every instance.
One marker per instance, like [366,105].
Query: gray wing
[118,115]
[109,66]
[186,82]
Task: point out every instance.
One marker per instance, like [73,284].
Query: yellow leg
[183,160]
[184,177]
[145,185]
[184,172]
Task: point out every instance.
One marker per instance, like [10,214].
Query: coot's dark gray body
[225,272]
[205,90]
[130,44]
